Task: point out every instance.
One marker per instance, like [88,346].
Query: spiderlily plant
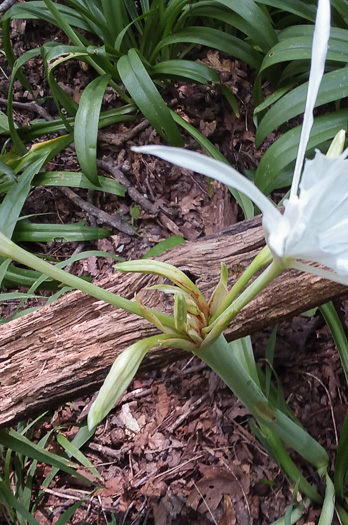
[310,228]
[315,219]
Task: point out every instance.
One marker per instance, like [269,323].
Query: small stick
[112,220]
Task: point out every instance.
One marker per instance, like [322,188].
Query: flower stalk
[12,251]
[219,357]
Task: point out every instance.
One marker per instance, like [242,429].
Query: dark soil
[178,448]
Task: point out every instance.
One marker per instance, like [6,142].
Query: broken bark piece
[65,349]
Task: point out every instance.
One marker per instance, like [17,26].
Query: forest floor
[178,447]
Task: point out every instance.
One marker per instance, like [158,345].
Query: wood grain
[64,350]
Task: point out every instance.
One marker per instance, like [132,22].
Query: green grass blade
[12,204]
[341,462]
[122,114]
[74,452]
[144,93]
[284,151]
[263,31]
[330,315]
[17,142]
[73,179]
[26,231]
[334,86]
[300,48]
[9,500]
[297,7]
[67,514]
[185,70]
[213,38]
[86,126]
[163,246]
[37,10]
[20,444]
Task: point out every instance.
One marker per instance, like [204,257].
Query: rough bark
[64,350]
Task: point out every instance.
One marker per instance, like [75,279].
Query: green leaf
[73,451]
[13,202]
[284,151]
[163,246]
[341,463]
[73,179]
[9,500]
[213,38]
[144,93]
[300,48]
[262,30]
[185,70]
[118,379]
[22,445]
[67,514]
[297,7]
[27,231]
[86,126]
[334,86]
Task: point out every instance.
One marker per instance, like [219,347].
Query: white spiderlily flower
[314,224]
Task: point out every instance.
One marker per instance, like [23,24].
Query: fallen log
[64,350]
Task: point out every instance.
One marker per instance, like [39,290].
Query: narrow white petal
[320,272]
[215,169]
[319,51]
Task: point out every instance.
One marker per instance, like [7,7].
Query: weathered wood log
[64,350]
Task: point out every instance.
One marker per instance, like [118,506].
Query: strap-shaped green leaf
[334,86]
[297,7]
[300,48]
[12,204]
[213,38]
[283,152]
[27,231]
[146,96]
[72,179]
[14,441]
[86,126]
[186,70]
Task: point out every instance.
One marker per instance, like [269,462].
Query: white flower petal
[215,169]
[320,272]
[319,52]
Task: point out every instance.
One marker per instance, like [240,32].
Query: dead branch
[64,350]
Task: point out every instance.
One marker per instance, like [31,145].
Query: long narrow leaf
[12,204]
[11,501]
[146,96]
[14,441]
[73,179]
[213,38]
[27,231]
[284,151]
[86,127]
[334,86]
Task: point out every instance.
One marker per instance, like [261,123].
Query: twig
[32,107]
[183,416]
[117,139]
[5,6]
[112,220]
[134,194]
[205,503]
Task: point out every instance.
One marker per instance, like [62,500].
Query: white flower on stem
[314,224]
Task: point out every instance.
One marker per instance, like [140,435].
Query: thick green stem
[220,358]
[263,258]
[10,250]
[217,327]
